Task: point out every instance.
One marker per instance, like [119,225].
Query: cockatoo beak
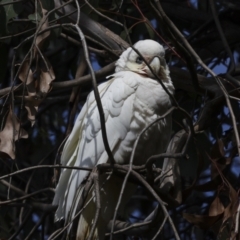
[143,69]
[154,64]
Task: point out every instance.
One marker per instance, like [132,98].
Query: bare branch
[43,166]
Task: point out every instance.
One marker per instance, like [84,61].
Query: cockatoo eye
[139,60]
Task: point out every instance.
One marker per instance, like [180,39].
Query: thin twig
[146,128]
[222,36]
[44,166]
[102,15]
[12,187]
[29,236]
[26,196]
[203,65]
[95,176]
[160,229]
[8,3]
[167,91]
[116,53]
[56,234]
[132,226]
[69,83]
[170,155]
[130,167]
[77,43]
[143,182]
[28,185]
[97,96]
[24,222]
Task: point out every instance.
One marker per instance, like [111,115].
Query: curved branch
[222,36]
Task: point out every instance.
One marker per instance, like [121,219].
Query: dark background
[43,65]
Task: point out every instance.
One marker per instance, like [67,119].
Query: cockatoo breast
[149,102]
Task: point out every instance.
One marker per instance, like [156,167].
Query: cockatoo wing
[69,155]
[84,147]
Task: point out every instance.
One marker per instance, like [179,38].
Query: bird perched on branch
[132,99]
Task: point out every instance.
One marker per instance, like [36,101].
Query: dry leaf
[10,134]
[32,111]
[231,209]
[26,76]
[215,216]
[216,207]
[202,221]
[39,88]
[31,105]
[219,216]
[45,80]
[32,101]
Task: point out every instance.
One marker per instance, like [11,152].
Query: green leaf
[36,16]
[8,12]
[11,10]
[33,17]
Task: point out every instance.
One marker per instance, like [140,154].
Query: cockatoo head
[152,52]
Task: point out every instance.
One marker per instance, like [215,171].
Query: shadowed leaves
[11,132]
[221,211]
[37,87]
[219,161]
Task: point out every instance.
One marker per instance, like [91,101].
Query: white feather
[130,102]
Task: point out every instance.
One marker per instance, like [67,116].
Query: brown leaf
[32,111]
[31,104]
[10,134]
[202,221]
[219,215]
[26,76]
[216,207]
[46,77]
[231,209]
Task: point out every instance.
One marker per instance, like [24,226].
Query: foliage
[45,79]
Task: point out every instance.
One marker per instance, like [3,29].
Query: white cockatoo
[132,99]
